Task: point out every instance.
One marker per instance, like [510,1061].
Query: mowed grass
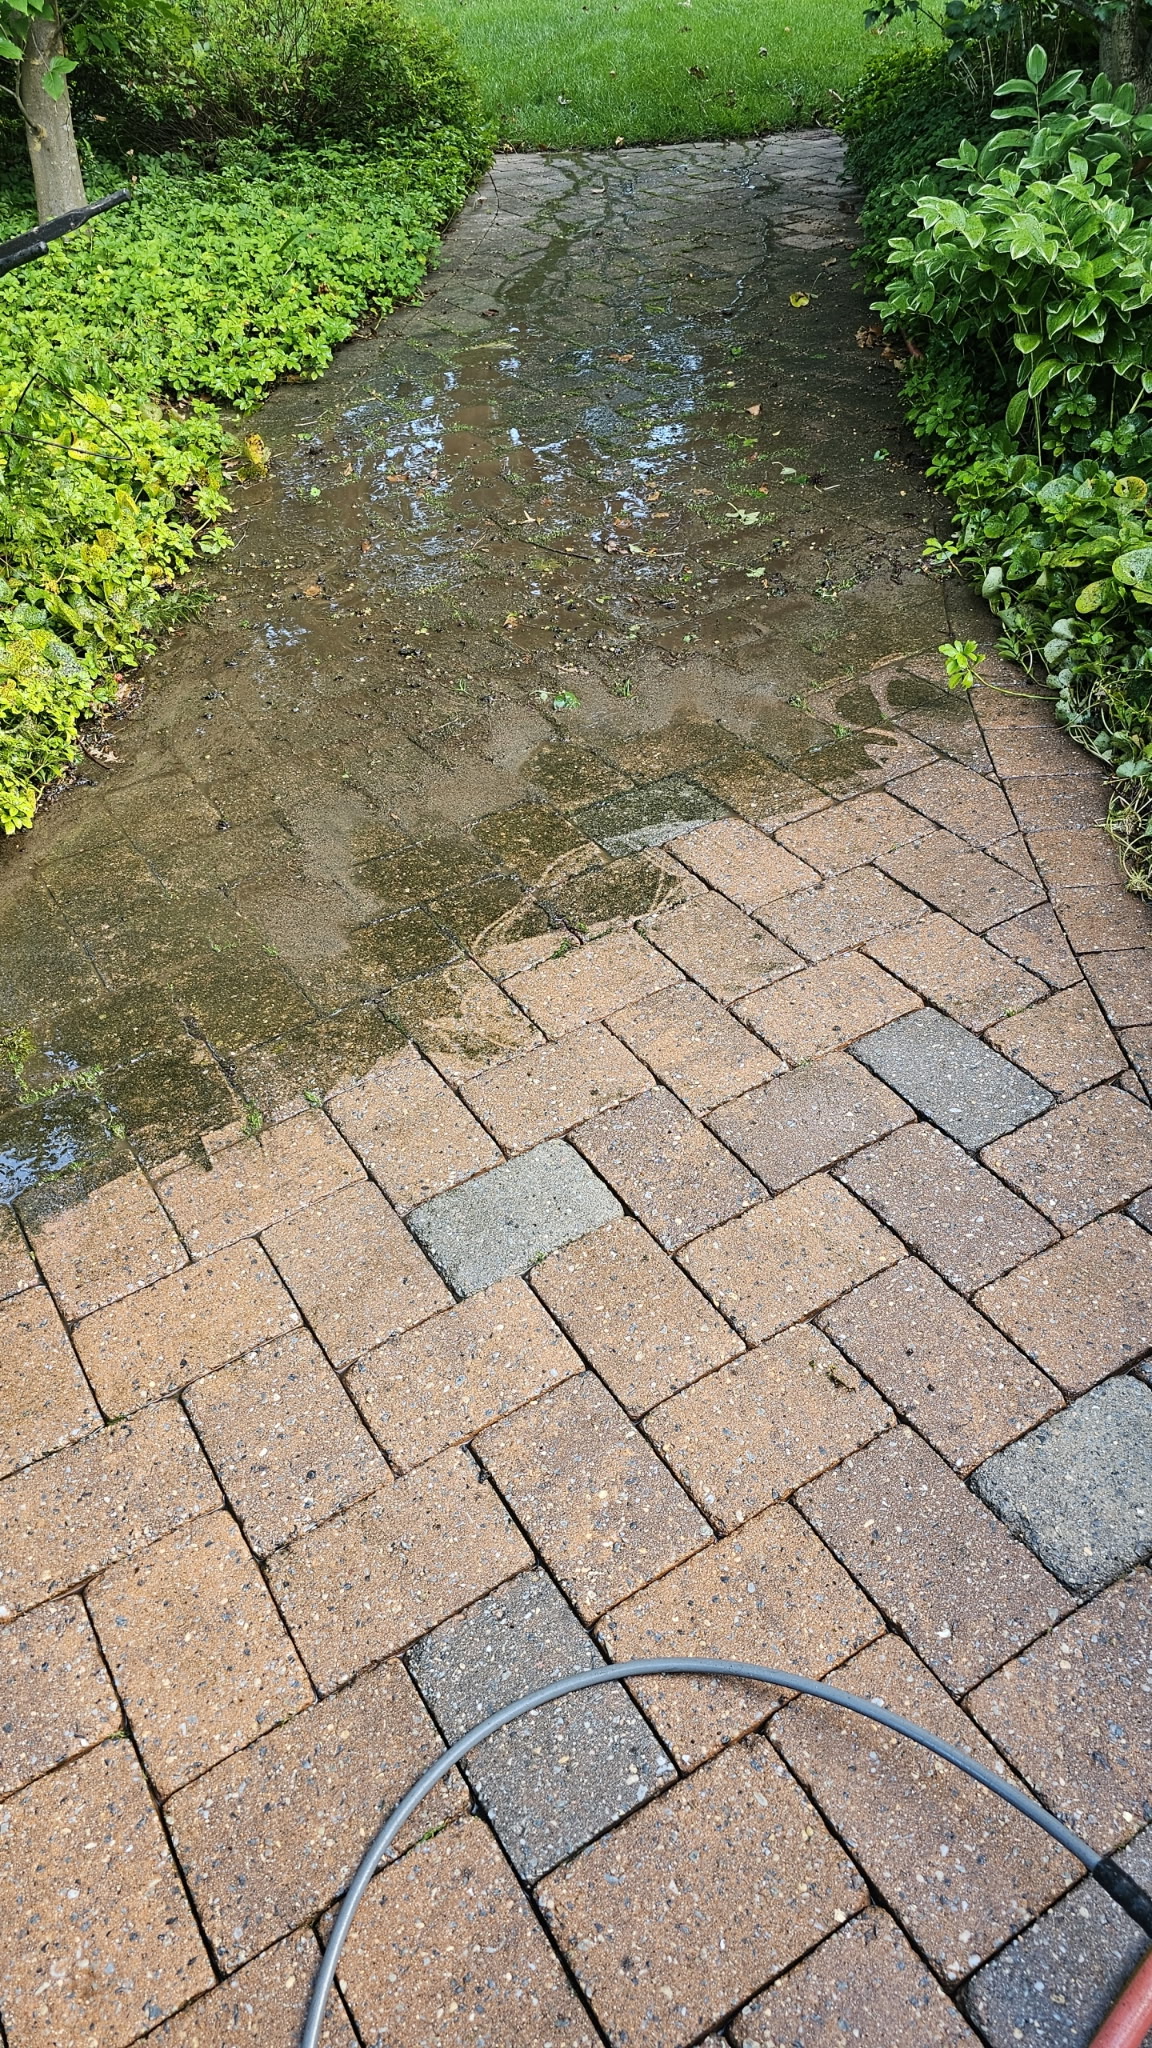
[565,73]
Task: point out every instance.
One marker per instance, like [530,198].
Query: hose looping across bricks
[1134,2008]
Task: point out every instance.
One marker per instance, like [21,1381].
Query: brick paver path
[765,1271]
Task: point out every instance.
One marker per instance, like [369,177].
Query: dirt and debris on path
[566,1100]
[606,503]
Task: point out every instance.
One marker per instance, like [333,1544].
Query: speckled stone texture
[949,1074]
[1079,1489]
[551,1782]
[502,1221]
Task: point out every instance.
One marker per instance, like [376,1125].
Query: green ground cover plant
[562,74]
[1018,269]
[242,258]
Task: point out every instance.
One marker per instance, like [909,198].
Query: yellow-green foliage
[111,482]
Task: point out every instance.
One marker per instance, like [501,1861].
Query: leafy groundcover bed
[1009,237]
[115,351]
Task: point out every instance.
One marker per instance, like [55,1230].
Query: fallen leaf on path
[629,358]
[312,590]
[799,299]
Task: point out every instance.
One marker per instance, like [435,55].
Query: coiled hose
[1134,2008]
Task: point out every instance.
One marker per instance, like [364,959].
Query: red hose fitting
[1131,2017]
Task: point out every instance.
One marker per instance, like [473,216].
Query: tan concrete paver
[636,1317]
[368,1583]
[771,1594]
[263,2005]
[808,1119]
[446,1953]
[98,1935]
[743,863]
[355,1271]
[865,1981]
[953,796]
[591,981]
[1081,1158]
[116,1240]
[182,1327]
[725,951]
[198,1652]
[1123,985]
[959,1869]
[940,1364]
[957,878]
[1064,1042]
[258,1181]
[413,1134]
[55,1698]
[17,1268]
[540,1094]
[666,1166]
[1074,1713]
[695,1902]
[1046,802]
[1069,860]
[958,972]
[789,1257]
[946,1206]
[933,1557]
[603,1512]
[272,1835]
[753,1432]
[1035,940]
[439,1385]
[1101,919]
[1083,1308]
[691,1044]
[79,1510]
[826,1006]
[848,834]
[45,1401]
[285,1440]
[849,911]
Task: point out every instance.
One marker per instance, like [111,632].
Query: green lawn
[558,73]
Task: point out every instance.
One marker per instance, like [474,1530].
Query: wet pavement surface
[583,530]
[564,1100]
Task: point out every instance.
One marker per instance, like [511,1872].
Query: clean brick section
[257,1182]
[439,1385]
[686,1908]
[938,1563]
[957,1867]
[45,1401]
[794,1314]
[384,1573]
[64,1519]
[272,1835]
[98,1934]
[603,1512]
[185,1326]
[95,1251]
[635,1316]
[200,1657]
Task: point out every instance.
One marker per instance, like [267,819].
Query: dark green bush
[1024,276]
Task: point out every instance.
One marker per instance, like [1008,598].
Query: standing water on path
[586,548]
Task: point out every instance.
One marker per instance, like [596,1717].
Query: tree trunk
[56,171]
[1126,49]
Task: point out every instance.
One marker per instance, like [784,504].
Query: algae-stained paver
[578,1104]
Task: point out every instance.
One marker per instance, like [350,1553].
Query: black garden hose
[1116,1882]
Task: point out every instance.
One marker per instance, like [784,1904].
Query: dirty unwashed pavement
[564,1100]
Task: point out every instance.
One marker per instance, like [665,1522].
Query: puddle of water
[524,596]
